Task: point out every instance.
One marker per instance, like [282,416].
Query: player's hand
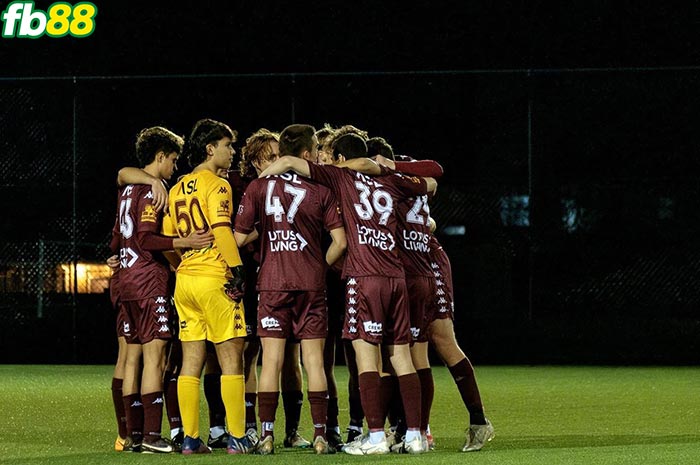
[432,224]
[235,287]
[200,240]
[160,196]
[384,161]
[113,262]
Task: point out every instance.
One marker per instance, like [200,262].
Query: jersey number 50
[190,218]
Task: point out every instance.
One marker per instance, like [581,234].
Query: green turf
[542,415]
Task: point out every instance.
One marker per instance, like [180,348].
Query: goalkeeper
[209,284]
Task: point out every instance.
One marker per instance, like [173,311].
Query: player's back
[413,233]
[142,271]
[291,213]
[368,205]
[199,201]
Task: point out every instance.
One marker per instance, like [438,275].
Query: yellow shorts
[205,311]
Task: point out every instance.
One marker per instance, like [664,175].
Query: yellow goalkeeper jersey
[199,201]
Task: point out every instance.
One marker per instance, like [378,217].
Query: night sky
[137,38]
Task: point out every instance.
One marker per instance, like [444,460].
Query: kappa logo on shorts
[127,329]
[270,323]
[437,274]
[160,309]
[442,300]
[352,321]
[434,265]
[160,300]
[162,319]
[415,332]
[164,329]
[223,190]
[440,292]
[352,291]
[352,330]
[439,282]
[444,309]
[352,282]
[183,324]
[352,301]
[351,310]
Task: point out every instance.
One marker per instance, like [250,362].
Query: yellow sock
[188,400]
[233,394]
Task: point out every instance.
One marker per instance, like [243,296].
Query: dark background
[568,132]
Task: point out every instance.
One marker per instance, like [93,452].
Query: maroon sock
[427,390]
[134,417]
[411,397]
[318,401]
[292,402]
[357,415]
[463,374]
[250,418]
[267,407]
[171,400]
[152,415]
[371,400]
[387,385]
[119,410]
[332,415]
[394,405]
[212,392]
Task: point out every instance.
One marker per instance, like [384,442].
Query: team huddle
[329,239]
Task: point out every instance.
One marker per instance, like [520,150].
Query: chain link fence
[568,205]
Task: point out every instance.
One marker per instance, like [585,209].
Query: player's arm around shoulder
[131,175]
[286,163]
[362,165]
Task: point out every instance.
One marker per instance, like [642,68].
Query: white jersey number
[126,223]
[414,214]
[273,205]
[380,202]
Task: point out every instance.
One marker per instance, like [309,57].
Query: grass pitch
[542,415]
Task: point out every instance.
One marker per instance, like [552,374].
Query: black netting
[568,205]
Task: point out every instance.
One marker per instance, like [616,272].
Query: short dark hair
[296,138]
[379,146]
[150,141]
[204,132]
[350,146]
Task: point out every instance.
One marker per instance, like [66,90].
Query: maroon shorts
[376,310]
[444,300]
[147,319]
[123,326]
[421,301]
[298,314]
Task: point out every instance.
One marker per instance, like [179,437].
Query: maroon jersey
[414,235]
[142,274]
[368,205]
[291,213]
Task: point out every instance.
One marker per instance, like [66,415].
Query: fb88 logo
[21,20]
